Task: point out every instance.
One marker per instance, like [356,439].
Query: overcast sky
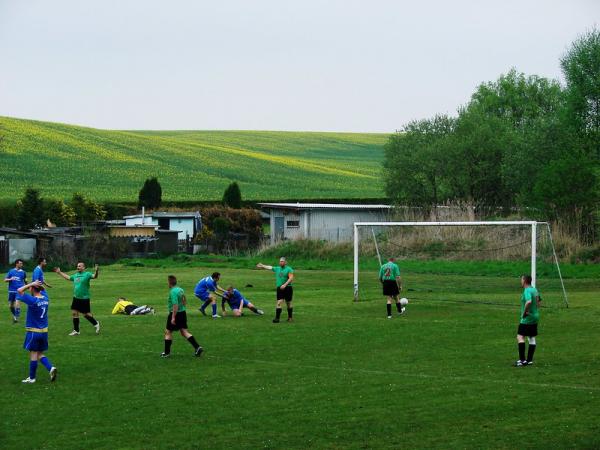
[330,65]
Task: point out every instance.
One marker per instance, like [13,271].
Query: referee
[389,275]
[284,277]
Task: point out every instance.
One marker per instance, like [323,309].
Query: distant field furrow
[110,165]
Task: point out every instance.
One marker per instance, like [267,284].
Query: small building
[327,221]
[189,224]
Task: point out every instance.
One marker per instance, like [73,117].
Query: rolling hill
[111,165]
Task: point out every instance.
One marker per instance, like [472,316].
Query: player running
[530,316]
[177,319]
[389,275]
[284,276]
[36,328]
[15,278]
[237,302]
[81,296]
[204,291]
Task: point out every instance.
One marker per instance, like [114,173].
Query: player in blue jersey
[237,302]
[15,278]
[38,272]
[36,328]
[205,289]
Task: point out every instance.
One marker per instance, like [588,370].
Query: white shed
[327,221]
[187,223]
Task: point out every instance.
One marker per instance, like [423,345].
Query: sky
[309,65]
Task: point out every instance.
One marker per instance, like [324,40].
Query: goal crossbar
[531,223]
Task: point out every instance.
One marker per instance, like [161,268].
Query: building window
[293,224]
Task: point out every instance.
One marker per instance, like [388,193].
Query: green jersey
[533,314]
[389,271]
[81,284]
[281,274]
[176,298]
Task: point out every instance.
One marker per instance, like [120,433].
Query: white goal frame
[529,223]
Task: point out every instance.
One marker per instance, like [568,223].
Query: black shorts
[527,329]
[180,321]
[285,294]
[390,288]
[129,309]
[81,305]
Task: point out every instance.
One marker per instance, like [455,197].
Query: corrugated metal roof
[166,214]
[321,206]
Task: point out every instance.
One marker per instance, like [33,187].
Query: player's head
[216,276]
[282,261]
[392,259]
[18,263]
[525,280]
[80,266]
[230,289]
[42,262]
[172,280]
[122,299]
[36,289]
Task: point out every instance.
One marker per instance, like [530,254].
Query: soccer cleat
[216,316]
[520,363]
[165,355]
[28,380]
[15,320]
[74,333]
[290,319]
[529,363]
[402,311]
[199,351]
[389,317]
[152,311]
[275,320]
[97,327]
[260,312]
[202,311]
[53,374]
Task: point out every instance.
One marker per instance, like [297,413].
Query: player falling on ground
[284,277]
[205,290]
[36,328]
[15,278]
[528,323]
[124,306]
[389,275]
[81,296]
[38,272]
[177,318]
[237,302]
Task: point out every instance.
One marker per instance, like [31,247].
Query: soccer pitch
[340,376]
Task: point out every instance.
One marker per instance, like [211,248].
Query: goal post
[533,225]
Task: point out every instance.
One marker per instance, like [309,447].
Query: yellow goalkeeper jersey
[120,306]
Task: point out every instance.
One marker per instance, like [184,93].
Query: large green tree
[232,196]
[150,195]
[30,210]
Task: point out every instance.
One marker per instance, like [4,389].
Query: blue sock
[32,369]
[46,362]
[214,308]
[205,304]
[17,312]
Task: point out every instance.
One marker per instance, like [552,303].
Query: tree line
[521,141]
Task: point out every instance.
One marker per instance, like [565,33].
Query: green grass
[341,376]
[191,165]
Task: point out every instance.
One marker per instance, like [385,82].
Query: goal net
[467,262]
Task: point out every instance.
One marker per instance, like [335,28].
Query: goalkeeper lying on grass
[124,306]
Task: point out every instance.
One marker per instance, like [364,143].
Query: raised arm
[96,269]
[263,266]
[62,274]
[37,284]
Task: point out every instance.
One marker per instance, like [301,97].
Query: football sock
[76,324]
[91,320]
[253,309]
[205,304]
[278,313]
[192,340]
[32,369]
[521,351]
[46,362]
[398,306]
[530,352]
[12,310]
[290,312]
[214,309]
[389,309]
[17,312]
[168,343]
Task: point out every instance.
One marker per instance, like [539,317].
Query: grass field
[191,165]
[340,376]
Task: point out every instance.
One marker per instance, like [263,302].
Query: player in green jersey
[389,275]
[284,277]
[528,323]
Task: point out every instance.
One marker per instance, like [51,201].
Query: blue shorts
[35,342]
[12,297]
[236,305]
[203,296]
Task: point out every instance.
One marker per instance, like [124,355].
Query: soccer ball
[404,301]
